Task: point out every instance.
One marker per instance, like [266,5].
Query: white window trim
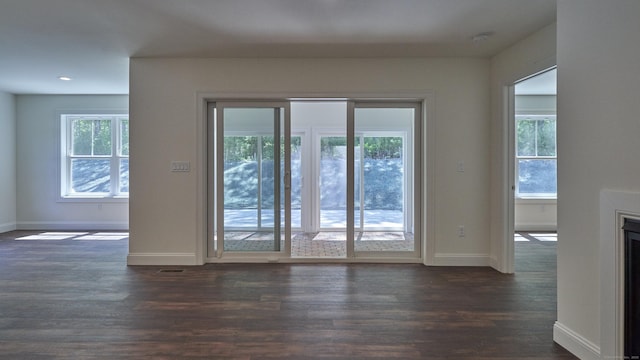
[532,197]
[62,149]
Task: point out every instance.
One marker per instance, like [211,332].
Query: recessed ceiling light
[64,78]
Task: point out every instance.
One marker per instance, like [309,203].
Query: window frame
[64,146]
[537,118]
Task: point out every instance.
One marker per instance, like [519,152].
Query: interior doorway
[533,123]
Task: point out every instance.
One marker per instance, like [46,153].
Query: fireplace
[619,210]
[631,288]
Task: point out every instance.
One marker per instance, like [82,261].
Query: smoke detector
[481,37]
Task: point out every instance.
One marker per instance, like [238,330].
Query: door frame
[417,190]
[216,165]
[426,158]
[506,258]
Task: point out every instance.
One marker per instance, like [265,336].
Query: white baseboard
[72,225]
[444,259]
[493,262]
[7,227]
[162,259]
[575,343]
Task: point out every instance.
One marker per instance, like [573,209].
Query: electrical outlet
[461,231]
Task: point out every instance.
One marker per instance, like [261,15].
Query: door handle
[287,180]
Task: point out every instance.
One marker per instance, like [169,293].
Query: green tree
[91,137]
[383,147]
[124,137]
[546,137]
[81,134]
[102,137]
[526,137]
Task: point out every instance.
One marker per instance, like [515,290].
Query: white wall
[599,104]
[535,214]
[536,104]
[8,161]
[528,56]
[166,224]
[37,169]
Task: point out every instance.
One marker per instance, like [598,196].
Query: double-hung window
[95,161]
[536,157]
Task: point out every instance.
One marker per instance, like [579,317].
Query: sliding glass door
[383,168]
[253,181]
[342,184]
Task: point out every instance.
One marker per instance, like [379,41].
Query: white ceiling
[92,40]
[541,84]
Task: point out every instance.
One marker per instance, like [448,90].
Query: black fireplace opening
[632,288]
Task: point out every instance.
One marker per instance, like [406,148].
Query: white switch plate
[180,166]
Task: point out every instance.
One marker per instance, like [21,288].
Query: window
[95,161]
[536,158]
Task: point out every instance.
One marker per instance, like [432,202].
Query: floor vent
[171,270]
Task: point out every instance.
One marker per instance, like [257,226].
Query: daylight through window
[96,161]
[536,157]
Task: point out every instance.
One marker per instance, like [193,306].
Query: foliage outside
[92,149]
[91,137]
[383,173]
[536,152]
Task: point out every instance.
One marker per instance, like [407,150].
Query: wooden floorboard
[68,299]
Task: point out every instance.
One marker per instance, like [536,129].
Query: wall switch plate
[180,166]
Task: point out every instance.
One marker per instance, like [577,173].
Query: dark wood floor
[71,299]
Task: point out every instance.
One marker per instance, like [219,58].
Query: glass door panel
[255,178]
[268,168]
[333,182]
[383,193]
[296,182]
[331,240]
[384,183]
[358,188]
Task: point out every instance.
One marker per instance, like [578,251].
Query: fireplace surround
[631,288]
[616,208]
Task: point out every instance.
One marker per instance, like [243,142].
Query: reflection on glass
[383,183]
[537,176]
[91,137]
[333,182]
[536,155]
[124,137]
[296,182]
[124,175]
[91,175]
[252,179]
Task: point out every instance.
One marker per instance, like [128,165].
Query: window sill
[93,199]
[536,201]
